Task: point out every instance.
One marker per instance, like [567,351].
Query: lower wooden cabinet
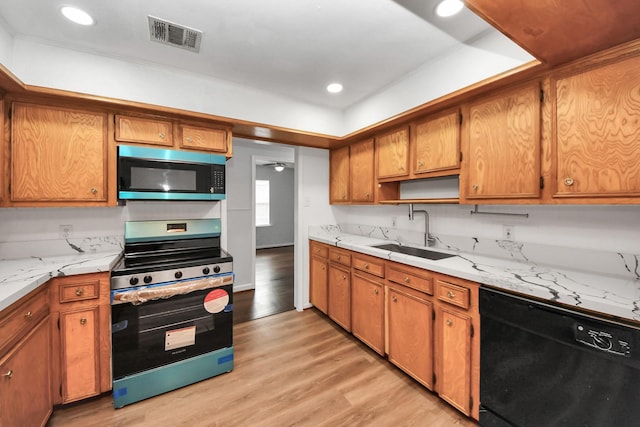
[80,313]
[410,318]
[318,275]
[339,307]
[367,310]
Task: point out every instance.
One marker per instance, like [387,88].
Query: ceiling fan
[278,166]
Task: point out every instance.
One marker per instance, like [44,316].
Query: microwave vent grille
[172,34]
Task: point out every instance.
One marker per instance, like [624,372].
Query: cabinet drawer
[340,256]
[319,250]
[15,324]
[453,294]
[411,279]
[369,265]
[70,292]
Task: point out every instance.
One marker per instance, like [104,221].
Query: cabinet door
[361,172]
[79,340]
[504,146]
[367,312]
[58,154]
[319,289]
[392,153]
[411,335]
[145,130]
[204,138]
[340,297]
[454,358]
[437,143]
[597,131]
[339,175]
[25,393]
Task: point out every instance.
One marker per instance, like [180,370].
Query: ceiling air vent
[174,35]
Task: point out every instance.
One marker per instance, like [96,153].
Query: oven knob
[133,281]
[216,269]
[206,270]
[178,274]
[147,279]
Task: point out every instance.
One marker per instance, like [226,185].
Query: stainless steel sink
[422,253]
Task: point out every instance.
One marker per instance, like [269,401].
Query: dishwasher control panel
[610,341]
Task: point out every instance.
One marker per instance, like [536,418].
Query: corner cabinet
[25,365]
[81,336]
[596,131]
[58,155]
[501,146]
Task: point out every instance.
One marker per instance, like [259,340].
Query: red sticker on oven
[216,300]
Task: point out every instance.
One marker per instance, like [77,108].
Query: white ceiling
[293,48]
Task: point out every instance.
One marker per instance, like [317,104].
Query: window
[262,203]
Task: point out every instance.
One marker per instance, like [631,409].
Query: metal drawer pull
[366,266]
[344,277]
[406,279]
[568,181]
[28,314]
[375,291]
[449,322]
[79,292]
[9,374]
[189,139]
[94,190]
[161,135]
[83,320]
[394,298]
[338,257]
[451,294]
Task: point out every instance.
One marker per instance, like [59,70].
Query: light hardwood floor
[291,369]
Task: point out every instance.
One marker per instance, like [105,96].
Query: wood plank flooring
[291,369]
[274,286]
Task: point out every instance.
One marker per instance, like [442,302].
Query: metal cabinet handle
[568,181]
[189,139]
[366,266]
[28,314]
[475,187]
[94,190]
[406,279]
[375,291]
[83,320]
[449,322]
[394,298]
[323,268]
[79,292]
[451,294]
[8,374]
[161,135]
[420,163]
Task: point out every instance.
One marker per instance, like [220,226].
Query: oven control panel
[610,341]
[172,275]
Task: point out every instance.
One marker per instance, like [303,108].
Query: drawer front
[368,265]
[319,250]
[70,292]
[341,257]
[145,130]
[406,278]
[20,319]
[453,294]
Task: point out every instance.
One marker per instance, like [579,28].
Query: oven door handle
[140,295]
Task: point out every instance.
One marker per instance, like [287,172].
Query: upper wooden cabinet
[361,171]
[339,175]
[58,154]
[435,143]
[392,153]
[501,146]
[205,138]
[144,130]
[596,131]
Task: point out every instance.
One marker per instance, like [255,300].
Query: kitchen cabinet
[215,139]
[361,171]
[410,317]
[339,175]
[144,130]
[58,155]
[80,313]
[501,146]
[457,347]
[392,153]
[318,276]
[596,130]
[339,306]
[436,144]
[367,301]
[25,366]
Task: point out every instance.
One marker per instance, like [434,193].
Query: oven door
[150,332]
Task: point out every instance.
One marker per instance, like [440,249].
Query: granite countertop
[614,295]
[18,277]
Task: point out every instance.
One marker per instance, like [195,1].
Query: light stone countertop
[18,277]
[611,294]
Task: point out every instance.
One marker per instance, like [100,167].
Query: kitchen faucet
[428,240]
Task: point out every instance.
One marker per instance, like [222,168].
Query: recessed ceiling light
[76,15]
[448,8]
[334,88]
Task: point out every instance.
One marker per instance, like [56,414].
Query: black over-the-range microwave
[161,174]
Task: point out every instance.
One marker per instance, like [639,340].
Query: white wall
[281,215]
[6,48]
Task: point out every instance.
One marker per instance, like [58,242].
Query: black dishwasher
[542,365]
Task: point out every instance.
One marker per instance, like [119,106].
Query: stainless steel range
[171,308]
